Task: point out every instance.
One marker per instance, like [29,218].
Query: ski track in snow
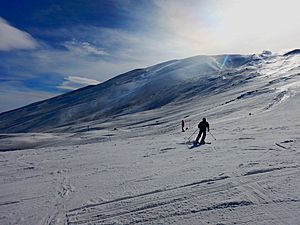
[153,206]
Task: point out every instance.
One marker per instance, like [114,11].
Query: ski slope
[136,168]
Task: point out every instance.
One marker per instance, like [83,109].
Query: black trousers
[203,133]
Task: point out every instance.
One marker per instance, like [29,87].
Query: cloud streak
[75,82]
[13,38]
[84,48]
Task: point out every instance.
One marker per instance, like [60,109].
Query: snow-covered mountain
[116,153]
[172,82]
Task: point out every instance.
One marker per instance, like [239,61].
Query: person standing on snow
[182,126]
[203,125]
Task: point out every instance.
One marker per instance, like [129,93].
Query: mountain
[174,82]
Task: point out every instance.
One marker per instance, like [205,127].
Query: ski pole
[212,136]
[192,134]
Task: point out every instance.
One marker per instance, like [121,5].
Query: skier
[182,126]
[202,130]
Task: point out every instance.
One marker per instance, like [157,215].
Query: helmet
[204,119]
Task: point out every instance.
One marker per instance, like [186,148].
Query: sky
[49,47]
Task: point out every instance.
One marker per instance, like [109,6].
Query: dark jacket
[203,125]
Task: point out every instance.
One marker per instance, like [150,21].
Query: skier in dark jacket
[202,130]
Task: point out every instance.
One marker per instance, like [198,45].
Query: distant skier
[182,126]
[203,125]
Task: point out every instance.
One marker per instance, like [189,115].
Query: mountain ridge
[137,90]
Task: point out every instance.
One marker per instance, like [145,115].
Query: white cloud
[75,82]
[84,48]
[83,80]
[12,38]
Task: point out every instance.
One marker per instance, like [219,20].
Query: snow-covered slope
[134,91]
[145,171]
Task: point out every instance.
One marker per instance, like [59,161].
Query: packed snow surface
[122,158]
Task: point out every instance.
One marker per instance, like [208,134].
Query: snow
[137,168]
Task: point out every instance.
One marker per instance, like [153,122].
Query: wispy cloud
[84,48]
[82,80]
[13,38]
[75,82]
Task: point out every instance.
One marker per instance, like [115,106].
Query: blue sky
[48,47]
